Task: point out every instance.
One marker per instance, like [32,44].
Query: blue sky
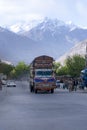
[13,11]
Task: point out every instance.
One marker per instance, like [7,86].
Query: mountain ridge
[49,37]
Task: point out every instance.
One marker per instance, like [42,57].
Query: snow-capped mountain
[50,28]
[49,36]
[23,26]
[56,35]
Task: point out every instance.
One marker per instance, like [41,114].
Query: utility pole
[86,57]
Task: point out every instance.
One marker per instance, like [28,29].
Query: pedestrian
[66,83]
[76,84]
[70,84]
[0,84]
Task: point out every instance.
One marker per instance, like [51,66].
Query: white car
[11,84]
[3,82]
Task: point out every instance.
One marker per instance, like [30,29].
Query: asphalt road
[22,110]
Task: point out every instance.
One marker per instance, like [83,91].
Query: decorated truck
[42,77]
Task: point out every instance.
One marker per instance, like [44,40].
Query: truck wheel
[35,90]
[52,90]
[31,89]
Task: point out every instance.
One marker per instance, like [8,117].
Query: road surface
[22,110]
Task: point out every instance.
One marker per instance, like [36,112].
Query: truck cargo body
[42,76]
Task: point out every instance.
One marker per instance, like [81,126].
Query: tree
[13,74]
[57,65]
[20,69]
[75,64]
[62,71]
[5,68]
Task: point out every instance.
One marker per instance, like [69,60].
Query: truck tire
[31,88]
[52,90]
[35,90]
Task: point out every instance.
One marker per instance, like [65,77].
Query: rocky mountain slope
[79,48]
[48,37]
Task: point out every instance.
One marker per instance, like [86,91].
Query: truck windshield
[44,73]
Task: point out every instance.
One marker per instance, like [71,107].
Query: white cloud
[17,10]
[82,8]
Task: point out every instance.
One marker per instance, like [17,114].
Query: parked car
[3,82]
[11,84]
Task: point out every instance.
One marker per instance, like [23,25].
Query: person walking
[0,84]
[70,84]
[75,83]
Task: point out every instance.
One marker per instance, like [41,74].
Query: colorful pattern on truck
[44,80]
[42,75]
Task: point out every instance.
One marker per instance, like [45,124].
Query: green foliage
[75,64]
[73,67]
[13,73]
[62,71]
[20,69]
[5,68]
[57,65]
